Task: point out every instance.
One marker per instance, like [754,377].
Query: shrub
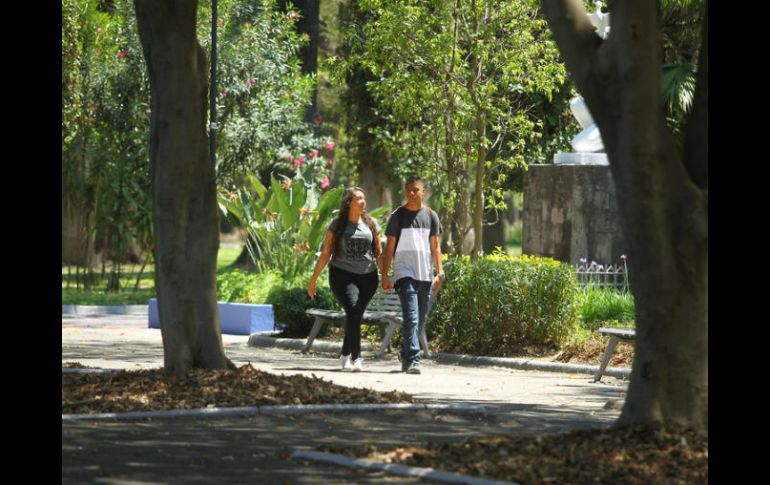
[238,286]
[600,305]
[495,304]
[289,305]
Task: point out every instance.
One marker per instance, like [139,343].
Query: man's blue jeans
[414,297]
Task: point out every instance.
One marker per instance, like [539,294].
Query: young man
[413,248]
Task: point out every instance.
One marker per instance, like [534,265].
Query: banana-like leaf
[281,197]
[379,213]
[229,206]
[257,186]
[326,205]
[298,197]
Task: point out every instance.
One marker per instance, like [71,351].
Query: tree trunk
[309,23]
[478,213]
[372,164]
[663,202]
[185,217]
[494,233]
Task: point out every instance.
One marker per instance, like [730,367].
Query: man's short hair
[412,179]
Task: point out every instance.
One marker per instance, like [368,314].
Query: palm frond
[678,84]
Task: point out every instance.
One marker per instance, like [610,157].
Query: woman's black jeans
[353,291]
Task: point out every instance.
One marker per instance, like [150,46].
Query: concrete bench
[384,309]
[616,335]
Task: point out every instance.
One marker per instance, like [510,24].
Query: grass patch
[600,305]
[226,257]
[101,297]
[128,295]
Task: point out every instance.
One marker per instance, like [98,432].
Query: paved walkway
[255,449]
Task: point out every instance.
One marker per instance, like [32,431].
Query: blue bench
[234,318]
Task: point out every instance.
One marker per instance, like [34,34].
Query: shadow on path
[255,449]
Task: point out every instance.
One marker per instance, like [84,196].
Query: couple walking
[352,243]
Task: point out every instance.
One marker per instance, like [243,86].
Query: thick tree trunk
[373,168]
[663,202]
[185,217]
[375,183]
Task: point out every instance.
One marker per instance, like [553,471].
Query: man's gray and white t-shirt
[413,230]
[354,252]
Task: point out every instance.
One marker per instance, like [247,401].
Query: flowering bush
[308,161]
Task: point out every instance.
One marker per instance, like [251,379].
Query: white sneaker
[358,365]
[346,363]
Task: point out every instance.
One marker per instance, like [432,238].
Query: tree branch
[576,38]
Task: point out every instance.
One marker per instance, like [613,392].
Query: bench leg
[606,359]
[386,340]
[319,321]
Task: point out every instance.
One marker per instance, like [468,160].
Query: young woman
[352,243]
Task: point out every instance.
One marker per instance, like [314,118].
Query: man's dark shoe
[413,368]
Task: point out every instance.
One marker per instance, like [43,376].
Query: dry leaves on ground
[633,455]
[146,390]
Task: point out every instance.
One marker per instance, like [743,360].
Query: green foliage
[680,22]
[457,85]
[602,305]
[226,257]
[72,296]
[106,115]
[262,93]
[492,305]
[285,223]
[238,286]
[105,109]
[289,305]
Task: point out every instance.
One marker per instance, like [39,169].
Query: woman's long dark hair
[342,220]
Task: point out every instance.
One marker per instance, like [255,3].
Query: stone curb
[273,410]
[319,346]
[105,310]
[458,359]
[529,364]
[87,370]
[402,470]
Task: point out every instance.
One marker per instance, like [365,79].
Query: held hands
[386,284]
[311,288]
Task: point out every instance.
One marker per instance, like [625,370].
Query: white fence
[602,275]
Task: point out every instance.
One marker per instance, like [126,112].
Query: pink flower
[296,164]
[313,153]
[325,182]
[293,16]
[289,158]
[224,93]
[220,22]
[123,54]
[250,83]
[329,146]
[317,119]
[330,161]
